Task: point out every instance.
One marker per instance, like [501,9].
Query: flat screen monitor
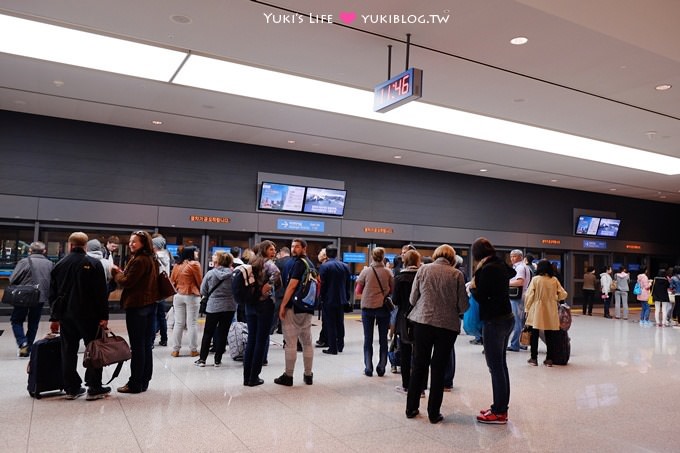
[324,201]
[608,228]
[281,197]
[587,225]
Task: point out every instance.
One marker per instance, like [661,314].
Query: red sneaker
[493,419]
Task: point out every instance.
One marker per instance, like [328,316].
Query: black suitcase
[44,367]
[561,348]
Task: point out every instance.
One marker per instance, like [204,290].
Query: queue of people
[429,297]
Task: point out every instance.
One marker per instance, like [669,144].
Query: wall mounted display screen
[608,228]
[281,197]
[587,226]
[324,201]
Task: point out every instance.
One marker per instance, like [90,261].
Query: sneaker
[548,362]
[490,418]
[199,363]
[309,380]
[533,362]
[163,343]
[77,394]
[23,350]
[218,364]
[97,393]
[448,389]
[475,341]
[284,379]
[394,369]
[400,389]
[422,394]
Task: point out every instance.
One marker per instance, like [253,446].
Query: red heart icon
[348,16]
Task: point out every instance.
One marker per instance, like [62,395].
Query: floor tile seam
[127,420]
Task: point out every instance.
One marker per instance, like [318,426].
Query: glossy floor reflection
[618,394]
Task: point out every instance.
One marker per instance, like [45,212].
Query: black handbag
[204,300]
[515,292]
[387,301]
[23,295]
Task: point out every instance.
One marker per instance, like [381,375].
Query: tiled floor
[619,393]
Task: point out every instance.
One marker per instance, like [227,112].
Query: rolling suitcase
[561,348]
[44,367]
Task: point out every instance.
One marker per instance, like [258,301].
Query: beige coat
[541,303]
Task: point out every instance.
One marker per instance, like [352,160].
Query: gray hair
[37,247]
[517,252]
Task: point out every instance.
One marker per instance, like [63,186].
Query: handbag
[204,300]
[471,321]
[515,292]
[22,295]
[106,349]
[387,301]
[650,299]
[165,287]
[525,336]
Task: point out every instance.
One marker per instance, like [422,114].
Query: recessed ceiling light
[662,196]
[58,83]
[663,87]
[554,180]
[179,19]
[156,122]
[291,142]
[398,157]
[483,170]
[21,102]
[612,190]
[518,41]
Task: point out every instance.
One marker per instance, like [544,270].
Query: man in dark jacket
[79,305]
[336,284]
[32,270]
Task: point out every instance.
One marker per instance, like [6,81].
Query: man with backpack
[296,311]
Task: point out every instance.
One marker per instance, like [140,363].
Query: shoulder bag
[106,349]
[165,288]
[204,300]
[387,301]
[23,295]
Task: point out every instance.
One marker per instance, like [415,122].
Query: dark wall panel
[50,157]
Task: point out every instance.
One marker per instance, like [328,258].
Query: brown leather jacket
[139,282]
[187,278]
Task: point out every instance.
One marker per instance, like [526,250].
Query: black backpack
[245,290]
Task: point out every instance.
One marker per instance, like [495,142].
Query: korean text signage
[209,219]
[380,230]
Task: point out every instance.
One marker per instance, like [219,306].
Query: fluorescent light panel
[78,48]
[62,45]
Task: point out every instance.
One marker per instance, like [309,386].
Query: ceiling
[589,69]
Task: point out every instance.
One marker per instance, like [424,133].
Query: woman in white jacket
[605,285]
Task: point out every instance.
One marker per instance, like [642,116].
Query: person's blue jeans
[259,320]
[518,313]
[140,323]
[496,334]
[160,323]
[369,318]
[644,314]
[17,319]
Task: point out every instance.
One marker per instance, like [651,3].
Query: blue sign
[216,249]
[300,225]
[353,257]
[390,257]
[600,245]
[173,249]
